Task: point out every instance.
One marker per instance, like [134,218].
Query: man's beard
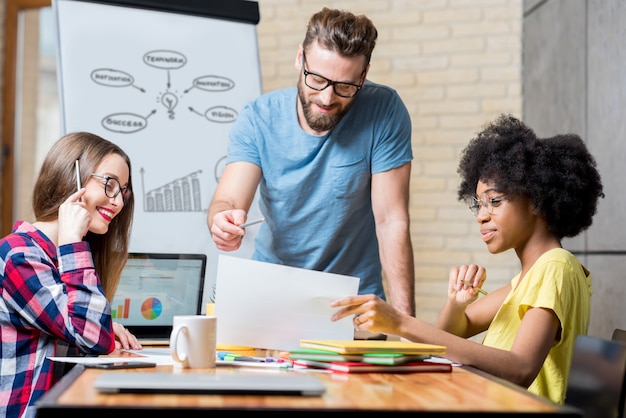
[321,122]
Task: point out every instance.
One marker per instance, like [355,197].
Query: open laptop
[210,383]
[153,288]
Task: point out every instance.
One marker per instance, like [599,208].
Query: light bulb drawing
[169,100]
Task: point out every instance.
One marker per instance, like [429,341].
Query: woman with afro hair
[527,194]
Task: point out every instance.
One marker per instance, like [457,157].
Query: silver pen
[247,224]
[78,185]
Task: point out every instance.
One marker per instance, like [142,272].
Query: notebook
[373,346]
[372,358]
[203,383]
[153,288]
[361,367]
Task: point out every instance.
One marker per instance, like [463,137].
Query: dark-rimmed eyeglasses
[489,203]
[112,187]
[319,83]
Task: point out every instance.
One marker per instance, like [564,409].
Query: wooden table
[464,391]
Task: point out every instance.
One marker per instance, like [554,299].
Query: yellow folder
[373,346]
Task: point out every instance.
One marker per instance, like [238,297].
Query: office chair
[619,335]
[596,378]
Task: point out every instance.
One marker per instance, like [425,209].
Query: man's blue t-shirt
[315,191]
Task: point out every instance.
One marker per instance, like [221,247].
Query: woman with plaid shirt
[57,273]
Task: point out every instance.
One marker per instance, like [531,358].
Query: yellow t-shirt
[557,281]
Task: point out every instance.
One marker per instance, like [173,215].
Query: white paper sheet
[160,356]
[272,306]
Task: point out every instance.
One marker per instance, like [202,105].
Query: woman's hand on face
[73,219]
[124,339]
[464,282]
[370,313]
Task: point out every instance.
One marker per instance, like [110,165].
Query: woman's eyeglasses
[489,203]
[112,187]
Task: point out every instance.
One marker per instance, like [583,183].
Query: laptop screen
[154,287]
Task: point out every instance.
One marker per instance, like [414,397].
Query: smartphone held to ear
[120,365]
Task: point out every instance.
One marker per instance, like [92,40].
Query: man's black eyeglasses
[319,83]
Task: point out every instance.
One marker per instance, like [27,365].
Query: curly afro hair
[558,174]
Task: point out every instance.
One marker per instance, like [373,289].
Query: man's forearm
[401,289]
[399,269]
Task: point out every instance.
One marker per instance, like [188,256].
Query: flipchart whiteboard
[166,86]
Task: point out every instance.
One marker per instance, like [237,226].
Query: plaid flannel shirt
[48,295]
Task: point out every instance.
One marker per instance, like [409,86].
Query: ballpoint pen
[238,357]
[225,355]
[256,361]
[484,292]
[247,224]
[78,184]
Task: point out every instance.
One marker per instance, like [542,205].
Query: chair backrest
[596,378]
[619,335]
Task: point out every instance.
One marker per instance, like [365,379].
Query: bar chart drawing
[122,311]
[180,195]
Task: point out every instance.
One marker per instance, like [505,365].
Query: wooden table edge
[567,409]
[48,402]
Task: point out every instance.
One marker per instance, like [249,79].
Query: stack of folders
[368,356]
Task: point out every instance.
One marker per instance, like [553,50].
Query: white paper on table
[150,355]
[271,306]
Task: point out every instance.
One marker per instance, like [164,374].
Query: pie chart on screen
[151,308]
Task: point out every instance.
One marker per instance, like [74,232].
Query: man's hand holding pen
[226,234]
[229,228]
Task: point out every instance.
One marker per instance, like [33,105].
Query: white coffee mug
[193,341]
